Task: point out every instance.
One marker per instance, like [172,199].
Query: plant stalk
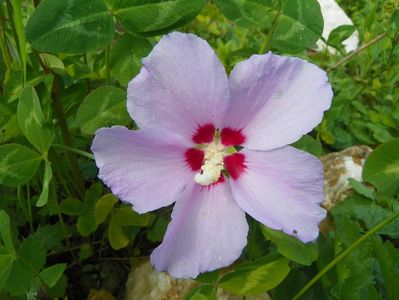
[343,254]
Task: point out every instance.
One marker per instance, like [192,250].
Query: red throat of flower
[215,154]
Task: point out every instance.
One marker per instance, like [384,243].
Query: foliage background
[64,67]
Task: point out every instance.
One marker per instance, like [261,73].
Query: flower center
[213,164]
[215,154]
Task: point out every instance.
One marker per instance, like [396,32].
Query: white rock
[144,283]
[334,16]
[338,168]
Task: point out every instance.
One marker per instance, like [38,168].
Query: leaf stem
[29,207]
[265,46]
[3,39]
[16,14]
[74,150]
[358,50]
[343,254]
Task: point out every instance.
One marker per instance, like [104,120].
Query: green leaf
[129,217]
[85,251]
[309,144]
[369,213]
[20,279]
[52,62]
[121,217]
[5,232]
[86,223]
[30,260]
[52,274]
[126,57]
[205,292]
[18,164]
[116,236]
[48,175]
[103,207]
[72,207]
[299,25]
[153,17]
[157,232]
[388,259]
[32,253]
[361,188]
[37,130]
[256,278]
[249,13]
[355,272]
[291,247]
[6,263]
[340,34]
[49,235]
[70,26]
[105,106]
[382,167]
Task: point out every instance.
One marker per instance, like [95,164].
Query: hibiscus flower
[217,146]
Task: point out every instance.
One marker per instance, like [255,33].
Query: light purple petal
[276,99]
[145,169]
[181,86]
[282,189]
[208,231]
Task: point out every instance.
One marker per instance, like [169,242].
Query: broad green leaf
[291,247]
[105,106]
[369,213]
[85,251]
[32,253]
[361,188]
[86,223]
[50,236]
[72,207]
[52,274]
[128,217]
[52,62]
[256,278]
[340,34]
[153,17]
[37,130]
[299,25]
[157,231]
[20,279]
[126,57]
[48,175]
[121,217]
[382,168]
[5,232]
[70,26]
[6,263]
[355,272]
[116,236]
[249,13]
[309,144]
[388,259]
[394,23]
[103,207]
[206,292]
[18,164]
